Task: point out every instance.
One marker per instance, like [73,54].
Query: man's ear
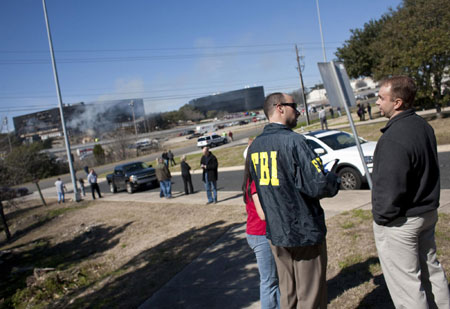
[399,104]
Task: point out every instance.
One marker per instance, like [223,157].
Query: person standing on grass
[210,166]
[405,198]
[269,292]
[171,158]
[290,180]
[323,118]
[369,111]
[60,188]
[92,179]
[186,175]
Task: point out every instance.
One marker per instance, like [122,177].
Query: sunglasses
[293,105]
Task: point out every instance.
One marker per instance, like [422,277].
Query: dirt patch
[104,253]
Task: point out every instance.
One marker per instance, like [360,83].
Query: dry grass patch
[354,274]
[105,254]
[109,254]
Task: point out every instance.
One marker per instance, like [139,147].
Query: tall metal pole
[303,87]
[58,92]
[321,33]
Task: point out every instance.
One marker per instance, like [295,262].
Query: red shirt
[255,226]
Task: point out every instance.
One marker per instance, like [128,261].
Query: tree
[419,46]
[357,53]
[28,162]
[412,40]
[189,112]
[99,154]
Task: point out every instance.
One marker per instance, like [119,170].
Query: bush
[99,154]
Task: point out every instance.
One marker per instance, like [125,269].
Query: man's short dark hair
[271,101]
[402,87]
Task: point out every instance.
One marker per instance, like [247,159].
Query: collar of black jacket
[402,115]
[275,126]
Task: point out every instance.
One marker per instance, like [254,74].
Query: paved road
[232,181]
[237,135]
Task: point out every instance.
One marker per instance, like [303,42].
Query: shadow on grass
[20,212]
[220,270]
[355,275]
[19,264]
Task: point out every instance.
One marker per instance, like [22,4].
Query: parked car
[8,193]
[331,145]
[131,176]
[212,140]
[194,135]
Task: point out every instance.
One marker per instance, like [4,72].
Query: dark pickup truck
[131,176]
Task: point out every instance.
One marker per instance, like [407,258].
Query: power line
[161,48]
[146,58]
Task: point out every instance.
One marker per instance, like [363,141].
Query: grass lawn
[228,156]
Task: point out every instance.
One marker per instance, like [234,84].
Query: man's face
[205,151]
[291,113]
[385,102]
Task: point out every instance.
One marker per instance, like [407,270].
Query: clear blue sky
[167,52]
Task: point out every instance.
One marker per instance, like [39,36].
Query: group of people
[228,135]
[168,158]
[284,181]
[209,165]
[91,179]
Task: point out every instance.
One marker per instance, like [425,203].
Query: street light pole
[321,33]
[134,117]
[58,92]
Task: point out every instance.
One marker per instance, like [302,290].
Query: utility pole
[76,193]
[134,117]
[299,68]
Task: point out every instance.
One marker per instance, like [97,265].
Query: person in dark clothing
[290,181]
[361,111]
[369,111]
[171,158]
[186,175]
[405,198]
[165,157]
[209,164]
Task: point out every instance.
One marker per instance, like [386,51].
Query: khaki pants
[407,252]
[302,275]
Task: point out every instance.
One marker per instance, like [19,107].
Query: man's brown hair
[402,87]
[271,101]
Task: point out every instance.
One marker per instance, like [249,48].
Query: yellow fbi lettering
[317,162]
[267,175]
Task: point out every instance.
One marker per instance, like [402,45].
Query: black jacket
[405,169]
[290,180]
[185,169]
[211,167]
